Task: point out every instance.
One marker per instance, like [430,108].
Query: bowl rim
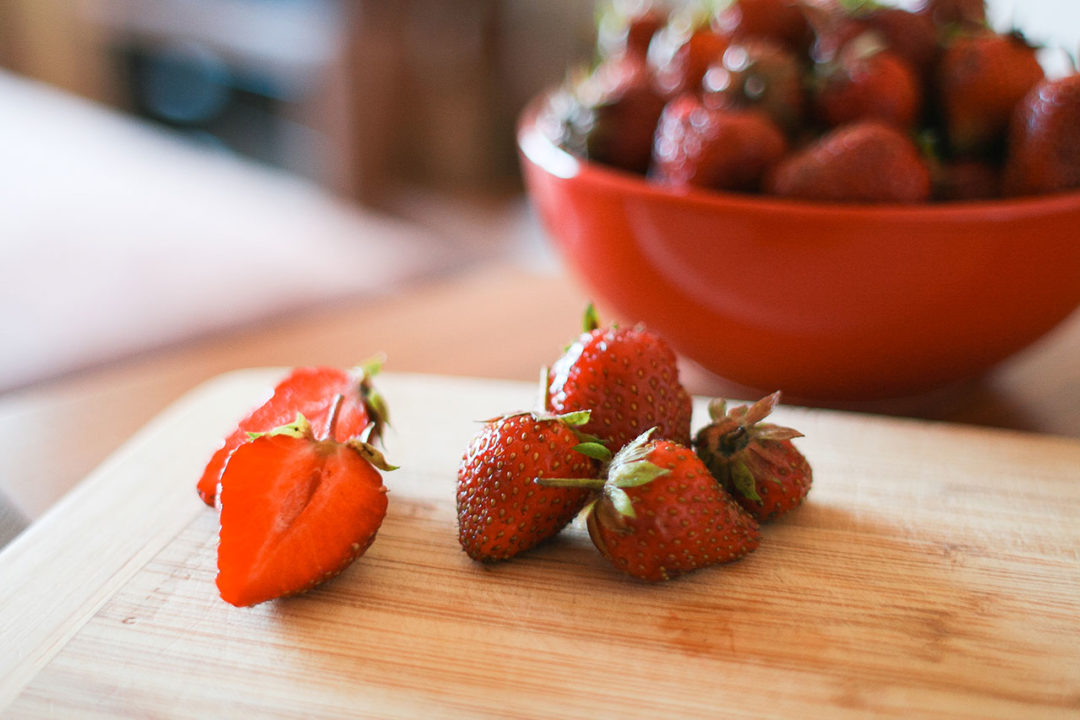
[543,152]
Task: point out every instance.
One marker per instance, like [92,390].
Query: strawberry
[910,36]
[627,377]
[868,82]
[719,149]
[781,21]
[680,54]
[862,162]
[755,461]
[501,512]
[611,114]
[661,514]
[295,511]
[981,80]
[309,391]
[1044,142]
[758,75]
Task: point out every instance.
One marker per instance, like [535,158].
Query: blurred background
[357,95]
[171,168]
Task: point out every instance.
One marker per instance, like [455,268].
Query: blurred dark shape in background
[362,96]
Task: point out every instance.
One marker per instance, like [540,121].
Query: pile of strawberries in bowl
[823,100]
[847,200]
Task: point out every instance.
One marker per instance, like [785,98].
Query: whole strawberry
[781,21]
[758,75]
[719,149]
[1044,142]
[501,511]
[661,514]
[910,36]
[680,54]
[296,510]
[863,162]
[869,82]
[609,115]
[981,80]
[755,461]
[627,377]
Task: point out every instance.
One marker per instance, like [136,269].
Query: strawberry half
[755,461]
[295,511]
[308,391]
[627,377]
[661,514]
[501,512]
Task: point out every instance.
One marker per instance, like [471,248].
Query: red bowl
[826,302]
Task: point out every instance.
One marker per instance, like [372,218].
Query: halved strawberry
[295,511]
[308,391]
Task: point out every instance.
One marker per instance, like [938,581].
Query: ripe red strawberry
[501,511]
[610,115]
[910,36]
[862,162]
[755,461]
[662,514]
[981,80]
[781,21]
[295,511]
[719,149]
[868,82]
[1044,143]
[679,55]
[627,377]
[758,75]
[308,391]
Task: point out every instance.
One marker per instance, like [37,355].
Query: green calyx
[627,469]
[375,403]
[721,444]
[590,321]
[298,428]
[631,468]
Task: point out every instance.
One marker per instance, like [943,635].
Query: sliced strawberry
[308,391]
[295,511]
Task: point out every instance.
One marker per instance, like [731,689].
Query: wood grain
[932,573]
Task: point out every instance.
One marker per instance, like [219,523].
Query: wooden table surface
[499,320]
[932,573]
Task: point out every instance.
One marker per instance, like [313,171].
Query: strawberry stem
[331,421]
[594,483]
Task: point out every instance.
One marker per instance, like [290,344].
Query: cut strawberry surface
[310,392]
[295,511]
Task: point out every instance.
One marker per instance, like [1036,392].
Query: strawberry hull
[829,302]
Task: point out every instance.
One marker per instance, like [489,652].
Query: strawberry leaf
[717,409]
[744,482]
[591,321]
[594,450]
[621,502]
[371,454]
[298,428]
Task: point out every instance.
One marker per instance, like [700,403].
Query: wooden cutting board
[934,572]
